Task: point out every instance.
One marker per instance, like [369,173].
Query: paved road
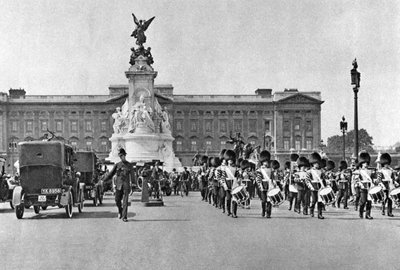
[189,234]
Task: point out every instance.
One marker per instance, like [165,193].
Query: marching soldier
[330,177]
[300,179]
[292,191]
[123,170]
[209,187]
[387,178]
[263,179]
[343,178]
[201,177]
[316,182]
[247,177]
[363,178]
[277,175]
[212,176]
[354,184]
[231,182]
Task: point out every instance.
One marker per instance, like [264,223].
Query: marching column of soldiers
[227,182]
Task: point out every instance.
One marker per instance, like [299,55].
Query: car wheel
[36,208]
[11,205]
[69,207]
[19,211]
[44,207]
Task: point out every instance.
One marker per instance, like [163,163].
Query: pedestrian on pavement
[123,171]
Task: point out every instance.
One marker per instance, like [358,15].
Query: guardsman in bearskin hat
[277,174]
[124,171]
[201,177]
[286,174]
[247,177]
[343,178]
[212,178]
[330,177]
[209,187]
[221,176]
[300,179]
[293,168]
[231,181]
[363,177]
[316,182]
[264,183]
[387,178]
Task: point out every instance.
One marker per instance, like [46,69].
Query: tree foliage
[335,143]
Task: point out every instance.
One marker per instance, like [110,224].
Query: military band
[306,183]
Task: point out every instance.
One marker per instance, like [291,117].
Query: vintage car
[47,178]
[85,162]
[7,184]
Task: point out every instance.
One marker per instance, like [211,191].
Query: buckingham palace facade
[282,122]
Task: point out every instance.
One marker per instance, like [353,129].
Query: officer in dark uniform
[124,170]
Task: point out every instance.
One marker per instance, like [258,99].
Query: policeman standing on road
[123,170]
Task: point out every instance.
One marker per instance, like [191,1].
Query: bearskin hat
[203,160]
[303,162]
[222,153]
[265,156]
[230,155]
[330,165]
[121,152]
[343,165]
[323,163]
[315,158]
[275,164]
[287,165]
[244,164]
[364,157]
[385,159]
[294,157]
[215,162]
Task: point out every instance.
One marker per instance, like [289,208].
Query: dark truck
[47,178]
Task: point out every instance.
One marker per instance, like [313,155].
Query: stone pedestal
[144,144]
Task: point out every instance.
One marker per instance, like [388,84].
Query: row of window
[222,125]
[210,113]
[58,125]
[297,124]
[297,144]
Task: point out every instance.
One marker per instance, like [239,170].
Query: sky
[214,47]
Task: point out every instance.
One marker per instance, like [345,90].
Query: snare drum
[327,195]
[292,189]
[377,193]
[239,193]
[275,196]
[395,195]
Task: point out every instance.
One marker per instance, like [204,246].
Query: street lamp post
[343,128]
[355,80]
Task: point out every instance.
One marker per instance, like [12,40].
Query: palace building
[281,122]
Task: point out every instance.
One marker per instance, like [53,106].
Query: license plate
[51,190]
[41,198]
